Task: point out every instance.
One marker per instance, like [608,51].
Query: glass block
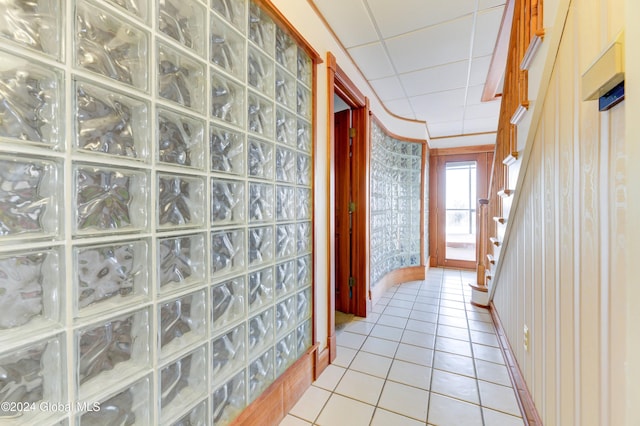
[108,276]
[285,165]
[34,24]
[261,374]
[304,304]
[303,203]
[260,332]
[180,201]
[285,241]
[109,122]
[285,203]
[286,353]
[127,407]
[227,303]
[233,11]
[227,202]
[286,51]
[30,292]
[182,383]
[260,73]
[262,29]
[227,48]
[260,289]
[181,262]
[227,100]
[182,323]
[260,159]
[110,350]
[32,375]
[137,8]
[227,252]
[109,200]
[304,272]
[286,312]
[261,202]
[184,21]
[109,46]
[304,101]
[228,353]
[32,105]
[260,115]
[304,136]
[260,245]
[195,417]
[305,67]
[29,198]
[229,400]
[180,78]
[227,151]
[285,89]
[180,139]
[304,336]
[286,127]
[305,171]
[285,278]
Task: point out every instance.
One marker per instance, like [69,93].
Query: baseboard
[398,276]
[278,399]
[525,400]
[323,359]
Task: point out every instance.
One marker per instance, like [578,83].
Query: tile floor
[424,355]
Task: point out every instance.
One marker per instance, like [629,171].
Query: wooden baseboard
[525,400]
[273,405]
[398,276]
[323,359]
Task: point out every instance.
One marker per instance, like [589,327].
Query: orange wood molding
[525,400]
[499,58]
[331,203]
[279,398]
[398,276]
[322,361]
[436,152]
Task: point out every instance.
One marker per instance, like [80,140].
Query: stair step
[495,241]
[500,220]
[491,259]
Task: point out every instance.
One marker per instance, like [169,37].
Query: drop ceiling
[425,59]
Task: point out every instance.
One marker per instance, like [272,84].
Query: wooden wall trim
[499,58]
[530,414]
[278,399]
[474,149]
[397,276]
[331,203]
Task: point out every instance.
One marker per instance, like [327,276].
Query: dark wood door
[342,123]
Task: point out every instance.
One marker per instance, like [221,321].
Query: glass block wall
[155,209]
[396,178]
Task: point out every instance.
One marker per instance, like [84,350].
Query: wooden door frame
[483,155]
[338,83]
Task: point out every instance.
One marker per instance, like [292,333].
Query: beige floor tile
[293,421]
[498,397]
[330,377]
[360,386]
[344,356]
[483,338]
[492,372]
[455,385]
[424,316]
[445,411]
[416,338]
[359,327]
[425,307]
[415,354]
[341,410]
[405,400]
[421,326]
[350,340]
[496,418]
[487,353]
[379,346]
[387,418]
[391,320]
[481,326]
[399,303]
[410,374]
[452,321]
[386,332]
[453,346]
[310,404]
[453,332]
[453,363]
[373,364]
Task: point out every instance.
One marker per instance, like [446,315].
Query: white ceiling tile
[437,130]
[441,44]
[445,77]
[463,140]
[438,100]
[372,60]
[486,33]
[401,107]
[388,88]
[350,31]
[474,94]
[479,70]
[481,125]
[402,16]
[486,4]
[483,110]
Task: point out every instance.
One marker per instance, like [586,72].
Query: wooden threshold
[530,415]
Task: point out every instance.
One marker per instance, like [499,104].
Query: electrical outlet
[526,338]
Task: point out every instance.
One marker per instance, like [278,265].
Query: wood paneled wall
[561,271]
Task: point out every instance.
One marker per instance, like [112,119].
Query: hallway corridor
[423,356]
